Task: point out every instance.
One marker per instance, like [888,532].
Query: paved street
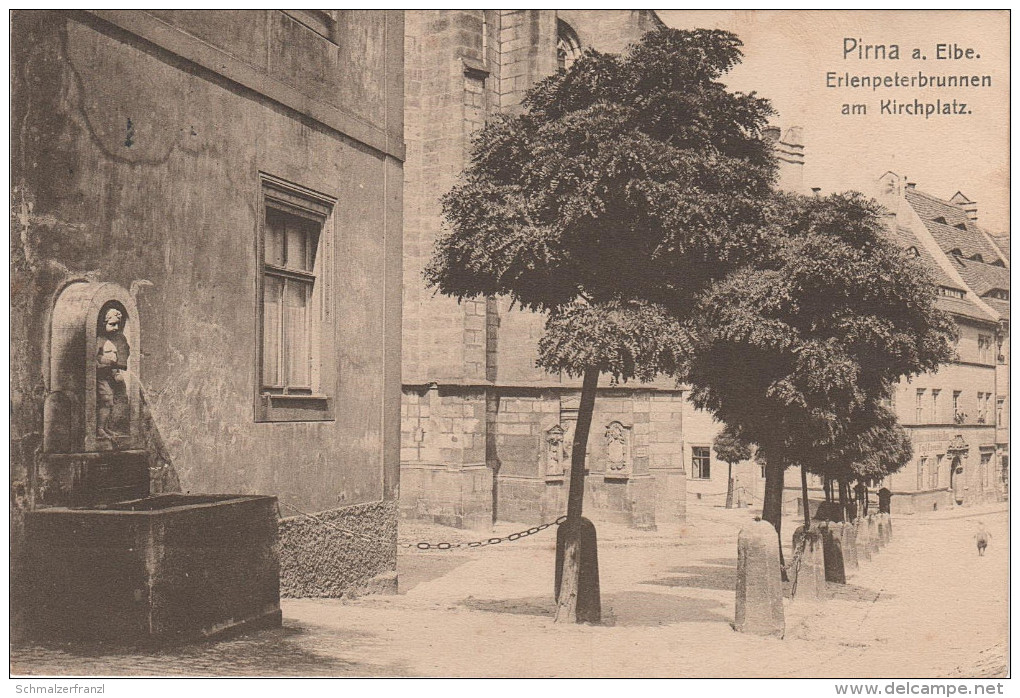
[927,605]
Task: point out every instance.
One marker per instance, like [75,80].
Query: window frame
[697,473]
[313,403]
[568,45]
[985,349]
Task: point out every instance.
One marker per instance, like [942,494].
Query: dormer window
[976,257]
[942,220]
[951,292]
[912,252]
[998,293]
[960,226]
[956,252]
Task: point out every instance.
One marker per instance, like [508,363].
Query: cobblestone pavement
[926,606]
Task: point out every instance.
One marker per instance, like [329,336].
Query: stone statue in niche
[617,449]
[112,353]
[555,451]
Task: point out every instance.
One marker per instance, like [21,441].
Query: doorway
[957,480]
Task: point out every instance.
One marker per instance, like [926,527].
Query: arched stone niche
[92,400]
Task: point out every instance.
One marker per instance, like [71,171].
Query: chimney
[817,191]
[969,207]
[911,185]
[891,187]
[790,153]
[772,134]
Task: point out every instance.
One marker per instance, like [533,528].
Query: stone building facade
[957,417]
[241,173]
[486,435]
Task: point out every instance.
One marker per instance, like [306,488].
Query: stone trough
[107,561]
[162,569]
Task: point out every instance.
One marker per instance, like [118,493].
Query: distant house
[958,417]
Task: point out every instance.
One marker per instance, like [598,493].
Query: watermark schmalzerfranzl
[58,688]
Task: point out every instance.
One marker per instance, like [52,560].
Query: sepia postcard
[510,343]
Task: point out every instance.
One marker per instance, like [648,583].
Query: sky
[788,53]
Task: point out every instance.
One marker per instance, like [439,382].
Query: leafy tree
[875,447]
[624,188]
[730,449]
[797,347]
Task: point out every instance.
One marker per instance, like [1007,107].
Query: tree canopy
[729,447]
[625,186]
[797,347]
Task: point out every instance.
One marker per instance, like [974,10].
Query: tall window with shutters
[295,371]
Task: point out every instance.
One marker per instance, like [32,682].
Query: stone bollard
[808,577]
[874,544]
[848,535]
[861,539]
[883,530]
[832,552]
[759,581]
[885,527]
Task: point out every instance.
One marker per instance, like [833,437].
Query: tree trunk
[844,501]
[729,486]
[577,583]
[804,498]
[772,508]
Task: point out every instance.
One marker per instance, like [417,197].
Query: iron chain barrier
[425,545]
[489,541]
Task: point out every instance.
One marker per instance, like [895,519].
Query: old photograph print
[510,343]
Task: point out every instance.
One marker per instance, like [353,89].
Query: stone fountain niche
[107,561]
[92,450]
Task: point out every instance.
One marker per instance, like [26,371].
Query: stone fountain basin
[161,569]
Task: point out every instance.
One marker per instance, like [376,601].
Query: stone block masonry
[485,433]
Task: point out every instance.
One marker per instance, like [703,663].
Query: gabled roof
[904,238]
[1000,306]
[1001,240]
[954,232]
[981,277]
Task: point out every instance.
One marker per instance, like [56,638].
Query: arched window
[568,46]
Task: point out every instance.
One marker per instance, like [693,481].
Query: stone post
[874,544]
[759,581]
[884,529]
[847,536]
[809,574]
[832,552]
[862,539]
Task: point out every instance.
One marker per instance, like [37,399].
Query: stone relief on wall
[556,455]
[617,449]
